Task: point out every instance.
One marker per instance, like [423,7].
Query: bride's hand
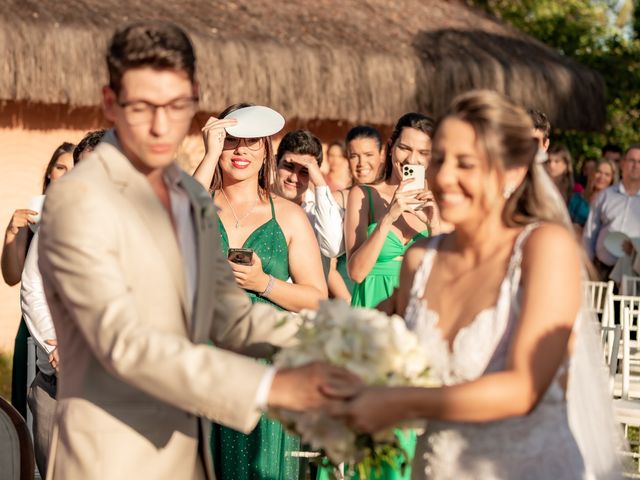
[371,411]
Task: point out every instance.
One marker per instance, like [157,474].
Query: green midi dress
[379,284]
[265,453]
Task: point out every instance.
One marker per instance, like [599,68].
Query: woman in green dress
[382,221]
[364,152]
[285,272]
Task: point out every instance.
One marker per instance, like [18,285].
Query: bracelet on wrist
[268,288]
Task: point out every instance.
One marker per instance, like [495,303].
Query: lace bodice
[480,346]
[508,448]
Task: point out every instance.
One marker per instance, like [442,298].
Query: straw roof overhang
[349,60]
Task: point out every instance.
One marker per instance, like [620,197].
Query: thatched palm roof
[352,60]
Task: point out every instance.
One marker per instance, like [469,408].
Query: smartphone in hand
[416,174]
[241,256]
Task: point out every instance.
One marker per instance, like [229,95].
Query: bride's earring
[508,191]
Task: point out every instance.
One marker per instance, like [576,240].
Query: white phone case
[416,174]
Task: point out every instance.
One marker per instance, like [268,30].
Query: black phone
[241,256]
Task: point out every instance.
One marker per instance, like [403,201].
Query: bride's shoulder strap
[516,257]
[513,272]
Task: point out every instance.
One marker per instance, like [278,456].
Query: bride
[497,303]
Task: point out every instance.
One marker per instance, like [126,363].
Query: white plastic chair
[614,314]
[597,294]
[611,337]
[630,285]
[627,410]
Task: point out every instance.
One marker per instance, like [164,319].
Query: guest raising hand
[382,221]
[300,180]
[385,218]
[14,252]
[278,243]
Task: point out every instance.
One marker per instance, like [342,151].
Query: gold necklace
[238,220]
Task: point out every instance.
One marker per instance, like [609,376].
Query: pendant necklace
[238,220]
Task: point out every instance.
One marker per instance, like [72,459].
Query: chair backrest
[630,285]
[16,450]
[610,337]
[615,309]
[626,321]
[597,294]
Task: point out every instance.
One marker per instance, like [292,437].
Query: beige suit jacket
[138,374]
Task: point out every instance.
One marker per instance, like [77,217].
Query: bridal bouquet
[378,348]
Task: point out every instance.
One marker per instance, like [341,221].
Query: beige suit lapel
[135,187]
[203,211]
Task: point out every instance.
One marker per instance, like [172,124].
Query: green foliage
[376,457]
[601,34]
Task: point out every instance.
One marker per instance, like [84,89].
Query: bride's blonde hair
[504,134]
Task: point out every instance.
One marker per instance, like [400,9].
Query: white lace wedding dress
[536,446]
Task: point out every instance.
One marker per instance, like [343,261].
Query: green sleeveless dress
[379,284]
[264,454]
[385,274]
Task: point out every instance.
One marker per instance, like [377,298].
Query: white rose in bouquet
[378,348]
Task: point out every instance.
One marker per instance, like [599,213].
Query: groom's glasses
[139,112]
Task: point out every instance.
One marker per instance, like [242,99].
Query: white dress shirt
[614,211]
[326,218]
[35,310]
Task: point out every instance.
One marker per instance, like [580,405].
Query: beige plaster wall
[23,158]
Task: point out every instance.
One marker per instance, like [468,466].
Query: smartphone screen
[415,173]
[241,256]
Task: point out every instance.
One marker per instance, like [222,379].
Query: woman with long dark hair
[559,166]
[383,219]
[241,172]
[604,175]
[14,251]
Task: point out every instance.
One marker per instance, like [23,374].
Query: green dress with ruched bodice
[378,285]
[264,454]
[385,274]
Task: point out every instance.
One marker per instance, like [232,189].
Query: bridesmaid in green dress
[364,152]
[286,272]
[382,222]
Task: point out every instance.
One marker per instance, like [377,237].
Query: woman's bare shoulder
[550,240]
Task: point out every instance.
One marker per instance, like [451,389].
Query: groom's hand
[312,386]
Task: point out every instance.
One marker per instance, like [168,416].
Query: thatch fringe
[350,60]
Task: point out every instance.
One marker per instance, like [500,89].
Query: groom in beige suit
[137,287]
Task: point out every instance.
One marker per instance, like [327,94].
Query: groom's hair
[159,45]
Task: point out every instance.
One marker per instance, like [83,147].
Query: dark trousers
[42,402]
[19,370]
